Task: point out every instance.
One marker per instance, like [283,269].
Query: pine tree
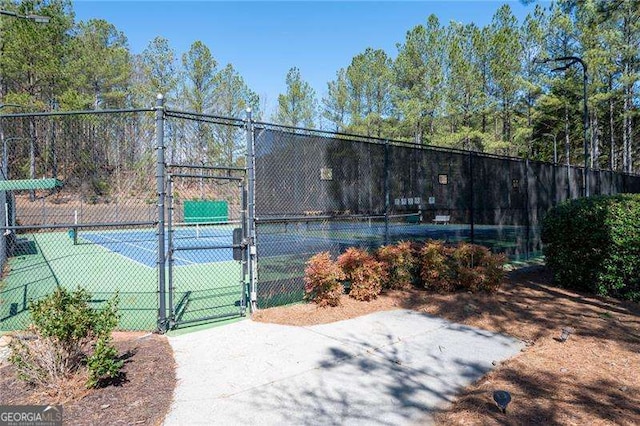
[297,107]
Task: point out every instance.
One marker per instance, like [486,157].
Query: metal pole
[387,200]
[160,181]
[527,223]
[5,163]
[471,200]
[243,220]
[172,312]
[251,212]
[569,61]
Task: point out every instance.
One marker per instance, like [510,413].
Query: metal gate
[206,243]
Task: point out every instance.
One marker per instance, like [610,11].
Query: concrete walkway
[387,368]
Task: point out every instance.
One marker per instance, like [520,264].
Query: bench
[443,219]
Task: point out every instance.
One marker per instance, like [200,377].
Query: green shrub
[399,263]
[593,244]
[67,337]
[364,273]
[322,280]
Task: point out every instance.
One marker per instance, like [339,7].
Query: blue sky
[264,39]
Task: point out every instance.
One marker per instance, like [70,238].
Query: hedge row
[593,244]
[433,266]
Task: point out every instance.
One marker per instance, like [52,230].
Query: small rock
[104,406]
[563,370]
[623,388]
[5,340]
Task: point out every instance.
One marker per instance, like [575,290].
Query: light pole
[31,17]
[569,61]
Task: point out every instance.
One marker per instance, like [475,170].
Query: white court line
[119,254]
[115,240]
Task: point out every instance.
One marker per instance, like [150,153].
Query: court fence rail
[195,217]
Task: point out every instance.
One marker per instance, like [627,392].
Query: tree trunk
[595,141]
[626,163]
[567,144]
[612,142]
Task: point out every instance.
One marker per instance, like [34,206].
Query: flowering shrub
[322,279]
[399,262]
[477,268]
[363,272]
[436,269]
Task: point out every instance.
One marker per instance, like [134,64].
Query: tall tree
[199,72]
[156,72]
[369,80]
[531,35]
[232,97]
[197,89]
[297,107]
[419,78]
[463,90]
[505,65]
[101,64]
[336,102]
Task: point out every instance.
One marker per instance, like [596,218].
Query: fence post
[527,223]
[386,192]
[251,213]
[170,235]
[471,199]
[160,182]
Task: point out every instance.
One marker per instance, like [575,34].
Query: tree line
[449,84]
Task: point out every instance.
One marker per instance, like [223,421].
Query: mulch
[141,396]
[591,378]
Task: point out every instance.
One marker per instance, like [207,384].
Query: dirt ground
[593,378]
[141,397]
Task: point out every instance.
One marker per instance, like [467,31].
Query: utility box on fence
[202,211]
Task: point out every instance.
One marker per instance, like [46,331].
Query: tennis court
[142,245]
[106,261]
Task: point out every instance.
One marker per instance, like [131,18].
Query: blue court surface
[211,244]
[192,246]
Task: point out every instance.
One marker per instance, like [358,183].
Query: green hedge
[594,244]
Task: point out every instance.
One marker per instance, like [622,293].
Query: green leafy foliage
[364,273]
[322,279]
[67,337]
[593,244]
[103,363]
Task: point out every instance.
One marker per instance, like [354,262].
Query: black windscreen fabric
[320,192]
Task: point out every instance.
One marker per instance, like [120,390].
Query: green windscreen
[206,211]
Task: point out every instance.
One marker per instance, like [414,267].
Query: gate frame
[242,246]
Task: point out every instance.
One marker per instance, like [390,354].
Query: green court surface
[51,260]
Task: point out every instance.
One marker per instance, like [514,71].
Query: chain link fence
[318,191]
[72,183]
[193,217]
